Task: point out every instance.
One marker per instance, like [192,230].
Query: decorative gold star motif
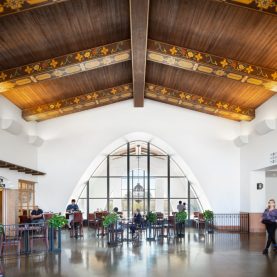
[126,87]
[58,105]
[151,87]
[104,50]
[113,91]
[219,105]
[182,95]
[39,109]
[238,109]
[163,91]
[224,63]
[274,75]
[87,55]
[225,106]
[249,69]
[188,97]
[14,4]
[76,100]
[28,69]
[54,63]
[79,57]
[37,67]
[173,50]
[198,57]
[190,54]
[3,76]
[89,97]
[201,100]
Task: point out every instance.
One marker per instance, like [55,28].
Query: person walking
[269,218]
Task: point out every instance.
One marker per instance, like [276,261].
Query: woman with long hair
[269,218]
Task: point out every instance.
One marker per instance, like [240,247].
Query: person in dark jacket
[269,218]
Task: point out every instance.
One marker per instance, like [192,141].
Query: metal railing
[24,239]
[231,222]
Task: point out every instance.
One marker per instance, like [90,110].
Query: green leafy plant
[208,215]
[1,228]
[110,219]
[181,217]
[151,217]
[57,221]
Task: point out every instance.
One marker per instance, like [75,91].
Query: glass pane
[118,166]
[178,188]
[158,188]
[98,188]
[97,205]
[158,166]
[82,204]
[194,206]
[175,169]
[154,150]
[101,169]
[138,162]
[116,187]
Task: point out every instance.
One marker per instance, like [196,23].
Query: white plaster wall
[271,186]
[256,156]
[15,148]
[204,142]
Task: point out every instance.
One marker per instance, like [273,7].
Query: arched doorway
[138,175]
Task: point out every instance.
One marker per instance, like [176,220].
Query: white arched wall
[204,142]
[146,138]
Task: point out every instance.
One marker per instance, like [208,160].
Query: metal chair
[39,233]
[9,237]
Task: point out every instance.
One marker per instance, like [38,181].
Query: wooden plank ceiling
[63,56]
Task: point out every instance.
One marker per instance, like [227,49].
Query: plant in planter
[110,222]
[208,216]
[110,219]
[151,219]
[180,223]
[56,223]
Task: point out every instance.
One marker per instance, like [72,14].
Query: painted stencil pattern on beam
[198,103]
[79,103]
[201,62]
[65,65]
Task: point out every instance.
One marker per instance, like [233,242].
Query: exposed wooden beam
[265,6]
[79,103]
[19,168]
[201,62]
[139,13]
[69,64]
[15,6]
[198,103]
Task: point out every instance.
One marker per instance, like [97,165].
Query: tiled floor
[197,255]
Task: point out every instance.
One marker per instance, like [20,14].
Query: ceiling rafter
[65,65]
[79,103]
[198,103]
[139,13]
[269,6]
[206,63]
[15,6]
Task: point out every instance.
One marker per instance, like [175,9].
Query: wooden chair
[9,239]
[92,220]
[200,221]
[77,225]
[171,225]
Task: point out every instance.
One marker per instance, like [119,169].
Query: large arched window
[138,175]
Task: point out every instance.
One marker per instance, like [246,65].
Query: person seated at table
[137,220]
[184,206]
[37,215]
[70,209]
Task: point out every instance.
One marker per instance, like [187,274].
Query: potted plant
[151,219]
[208,216]
[180,223]
[56,223]
[110,223]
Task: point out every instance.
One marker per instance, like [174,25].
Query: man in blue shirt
[37,215]
[71,208]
